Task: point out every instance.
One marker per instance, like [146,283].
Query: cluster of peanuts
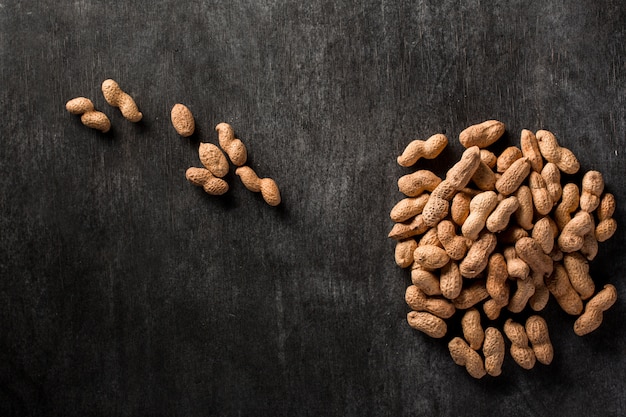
[500,232]
[210,178]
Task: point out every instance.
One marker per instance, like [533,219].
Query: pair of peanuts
[210,178]
[512,239]
[113,95]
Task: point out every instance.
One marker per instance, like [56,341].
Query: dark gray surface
[126,291]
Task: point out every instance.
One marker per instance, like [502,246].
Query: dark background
[126,291]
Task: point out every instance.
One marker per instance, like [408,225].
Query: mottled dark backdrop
[126,291]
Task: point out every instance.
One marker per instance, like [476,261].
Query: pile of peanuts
[210,178]
[500,232]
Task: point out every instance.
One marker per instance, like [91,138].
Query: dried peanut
[450,280]
[182,120]
[470,296]
[404,252]
[520,351]
[530,149]
[569,204]
[418,301]
[478,255]
[544,234]
[408,208]
[213,159]
[430,238]
[525,210]
[267,186]
[577,269]
[591,319]
[438,204]
[425,280]
[114,95]
[529,251]
[607,225]
[480,207]
[465,356]
[516,268]
[428,149]
[455,246]
[412,185]
[493,349]
[405,230]
[498,220]
[552,152]
[431,257]
[541,197]
[541,295]
[482,134]
[489,158]
[592,188]
[202,177]
[572,236]
[513,177]
[484,177]
[497,274]
[427,323]
[552,177]
[519,299]
[90,117]
[537,332]
[560,287]
[460,208]
[234,148]
[507,157]
[462,172]
[472,330]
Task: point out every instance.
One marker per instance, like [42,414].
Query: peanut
[438,203]
[525,290]
[513,177]
[516,268]
[482,134]
[537,332]
[571,238]
[418,301]
[493,349]
[530,252]
[497,285]
[213,159]
[525,210]
[114,95]
[489,158]
[450,280]
[431,257]
[404,252]
[480,207]
[462,172]
[569,204]
[552,152]
[530,149]
[560,287]
[484,177]
[498,220]
[202,177]
[182,120]
[591,319]
[520,351]
[90,117]
[470,296]
[472,330]
[460,208]
[234,148]
[478,255]
[413,185]
[425,280]
[541,197]
[429,149]
[552,177]
[507,157]
[408,208]
[465,356]
[405,230]
[544,234]
[607,225]
[590,244]
[592,188]
[455,246]
[577,269]
[541,295]
[430,238]
[267,186]
[427,323]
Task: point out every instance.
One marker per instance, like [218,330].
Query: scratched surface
[126,291]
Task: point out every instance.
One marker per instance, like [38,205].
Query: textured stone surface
[124,290]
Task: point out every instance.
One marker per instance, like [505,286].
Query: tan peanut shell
[425,280]
[427,323]
[516,268]
[499,218]
[465,356]
[525,289]
[408,208]
[431,256]
[530,150]
[497,283]
[404,252]
[569,203]
[481,207]
[413,185]
[460,207]
[577,269]
[541,197]
[493,349]
[525,210]
[482,134]
[182,120]
[484,177]
[116,97]
[544,234]
[520,351]
[560,287]
[90,117]
[472,329]
[430,238]
[605,229]
[592,188]
[267,186]
[462,172]
[202,177]
[513,177]
[428,149]
[607,225]
[552,177]
[438,204]
[530,251]
[539,338]
[541,295]
[591,319]
[489,158]
[507,157]
[470,296]
[213,159]
[456,246]
[477,256]
[419,301]
[450,280]
[405,230]
[234,148]
[552,152]
[571,238]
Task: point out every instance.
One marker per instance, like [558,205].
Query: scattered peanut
[520,351]
[418,301]
[417,149]
[202,177]
[116,97]
[482,134]
[267,186]
[463,355]
[413,185]
[90,117]
[493,349]
[182,120]
[404,252]
[234,148]
[408,208]
[561,288]
[591,319]
[427,323]
[552,152]
[213,159]
[592,188]
[530,149]
[472,330]
[537,331]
